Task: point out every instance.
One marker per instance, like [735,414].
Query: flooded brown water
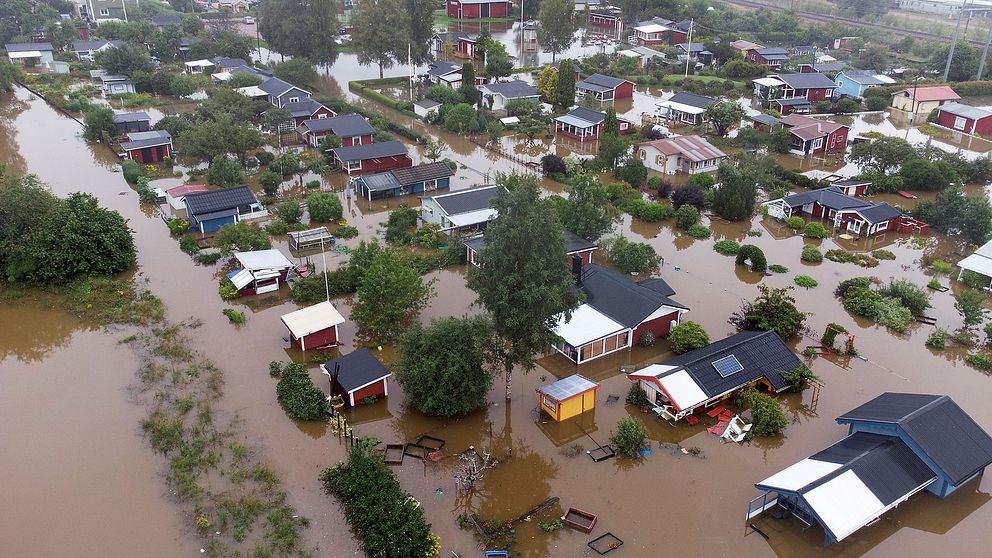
[668,501]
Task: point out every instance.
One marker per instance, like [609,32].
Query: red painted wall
[364,140]
[676,38]
[318,339]
[377,389]
[837,141]
[370,166]
[474,11]
[818,94]
[658,326]
[149,154]
[624,91]
[981,126]
[328,113]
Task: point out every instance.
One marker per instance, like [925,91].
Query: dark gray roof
[761,353]
[885,464]
[423,172]
[345,126]
[357,369]
[829,197]
[794,102]
[455,36]
[187,42]
[692,47]
[27,47]
[306,107]
[864,77]
[163,20]
[442,68]
[773,53]
[224,62]
[693,100]
[202,203]
[851,182]
[122,117]
[573,243]
[879,212]
[948,436]
[616,295]
[827,66]
[809,80]
[464,201]
[658,285]
[370,151]
[512,89]
[381,181]
[275,86]
[141,140]
[600,81]
[766,119]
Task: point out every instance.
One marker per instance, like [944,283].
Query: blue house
[282,93]
[898,444]
[209,211]
[427,177]
[854,83]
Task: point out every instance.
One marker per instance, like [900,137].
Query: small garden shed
[357,376]
[314,326]
[568,397]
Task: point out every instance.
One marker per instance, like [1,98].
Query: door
[485,10]
[855,225]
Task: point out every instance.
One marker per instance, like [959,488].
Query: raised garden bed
[430,442]
[417,451]
[606,543]
[579,519]
[394,454]
[602,453]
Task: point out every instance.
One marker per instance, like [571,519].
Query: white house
[681,154]
[495,96]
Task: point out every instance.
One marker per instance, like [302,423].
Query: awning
[25,54]
[799,474]
[587,324]
[768,82]
[312,319]
[688,109]
[978,264]
[684,392]
[472,217]
[241,278]
[252,91]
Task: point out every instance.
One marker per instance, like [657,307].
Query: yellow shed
[568,397]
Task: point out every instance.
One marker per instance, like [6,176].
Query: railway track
[811,16]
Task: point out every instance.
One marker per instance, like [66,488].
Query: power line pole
[985,52]
[954,41]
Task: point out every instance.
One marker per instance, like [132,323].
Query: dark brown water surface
[669,502]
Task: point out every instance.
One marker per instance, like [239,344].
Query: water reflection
[31,334]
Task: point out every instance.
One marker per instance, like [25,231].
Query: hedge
[301,399]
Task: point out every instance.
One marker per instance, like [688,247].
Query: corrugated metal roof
[966,111]
[464,201]
[694,148]
[423,172]
[371,151]
[568,387]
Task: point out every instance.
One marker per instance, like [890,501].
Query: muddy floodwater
[80,480]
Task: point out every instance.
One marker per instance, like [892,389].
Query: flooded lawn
[668,500]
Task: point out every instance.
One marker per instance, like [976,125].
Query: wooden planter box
[579,519]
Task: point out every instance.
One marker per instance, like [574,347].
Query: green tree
[498,61]
[9,75]
[964,65]
[461,119]
[420,30]
[632,171]
[243,79]
[687,336]
[192,25]
[724,115]
[391,295]
[735,198]
[166,44]
[565,88]
[241,237]
[525,285]
[434,149]
[298,71]
[269,181]
[547,84]
[225,172]
[629,256]
[210,138]
[556,29]
[630,437]
[301,399]
[773,309]
[125,59]
[470,93]
[378,34]
[686,216]
[99,123]
[969,305]
[882,154]
[766,412]
[442,367]
[920,174]
[589,212]
[611,145]
[301,28]
[324,207]
[289,211]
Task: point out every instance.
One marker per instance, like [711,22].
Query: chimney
[577,268]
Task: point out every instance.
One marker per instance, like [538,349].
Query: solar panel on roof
[727,366]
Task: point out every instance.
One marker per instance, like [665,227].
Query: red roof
[936,93]
[179,191]
[693,148]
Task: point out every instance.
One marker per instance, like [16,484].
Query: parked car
[249,20]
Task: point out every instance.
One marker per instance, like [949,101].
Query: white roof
[651,28]
[312,319]
[844,504]
[800,474]
[221,76]
[683,390]
[24,54]
[768,82]
[884,78]
[688,109]
[252,91]
[199,64]
[587,324]
[242,279]
[510,120]
[263,259]
[980,261]
[451,78]
[472,217]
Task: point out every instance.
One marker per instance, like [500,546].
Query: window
[294,99]
[551,404]
[104,11]
[354,165]
[657,160]
[644,154]
[319,116]
[959,123]
[356,140]
[817,143]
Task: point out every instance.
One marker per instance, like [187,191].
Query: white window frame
[354,165]
[105,11]
[959,122]
[294,100]
[817,143]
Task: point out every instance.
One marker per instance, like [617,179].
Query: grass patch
[805,281]
[843,256]
[727,247]
[234,316]
[778,268]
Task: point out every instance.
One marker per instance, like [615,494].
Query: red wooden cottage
[964,118]
[307,109]
[147,147]
[812,136]
[845,212]
[263,271]
[477,9]
[376,157]
[352,129]
[605,88]
[773,57]
[462,44]
[574,246]
[586,124]
[616,313]
[357,376]
[314,327]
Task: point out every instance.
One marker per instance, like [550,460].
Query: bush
[264,158]
[811,254]
[269,181]
[702,181]
[687,336]
[876,103]
[686,216]
[553,164]
[815,230]
[632,171]
[910,294]
[241,237]
[979,361]
[187,243]
[340,281]
[699,231]
[630,437]
[805,281]
[630,256]
[752,254]
[646,339]
[773,309]
[346,232]
[227,290]
[178,227]
[776,268]
[687,195]
[132,171]
[938,339]
[636,395]
[324,207]
[799,378]
[289,211]
[883,255]
[848,105]
[974,280]
[795,223]
[727,247]
[648,211]
[766,413]
[234,316]
[843,256]
[301,399]
[940,266]
[225,172]
[207,259]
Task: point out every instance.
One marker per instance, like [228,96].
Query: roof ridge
[922,410]
[848,465]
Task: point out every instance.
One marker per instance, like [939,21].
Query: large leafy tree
[565,89]
[225,172]
[442,369]
[882,154]
[734,199]
[20,18]
[953,210]
[301,27]
[773,309]
[611,145]
[298,71]
[724,115]
[391,295]
[421,28]
[964,65]
[125,59]
[379,32]
[547,84]
[526,284]
[556,31]
[208,139]
[470,93]
[588,212]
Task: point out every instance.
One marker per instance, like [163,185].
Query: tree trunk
[509,373]
[380,70]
